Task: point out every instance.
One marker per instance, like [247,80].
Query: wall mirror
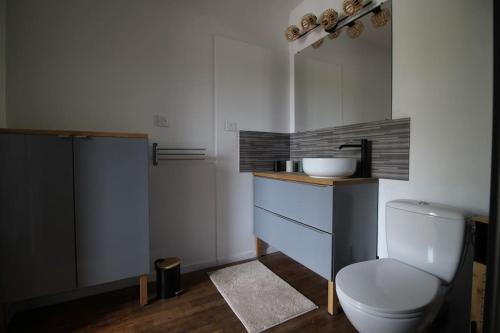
[345,80]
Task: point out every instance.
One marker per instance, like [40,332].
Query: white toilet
[404,292]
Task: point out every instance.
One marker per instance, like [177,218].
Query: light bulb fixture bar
[332,22]
[368,8]
[308,23]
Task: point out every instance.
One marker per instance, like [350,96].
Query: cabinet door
[37,235]
[111,202]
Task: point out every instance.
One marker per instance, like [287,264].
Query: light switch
[230,126]
[161,120]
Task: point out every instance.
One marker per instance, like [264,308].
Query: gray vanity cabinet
[325,228]
[37,235]
[111,200]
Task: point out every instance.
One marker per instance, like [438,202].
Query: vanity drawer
[308,204]
[310,247]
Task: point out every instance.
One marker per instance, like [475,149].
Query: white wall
[443,80]
[114,64]
[251,90]
[183,213]
[3,102]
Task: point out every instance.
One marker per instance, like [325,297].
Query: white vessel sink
[329,167]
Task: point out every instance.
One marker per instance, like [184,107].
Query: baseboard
[237,257]
[197,266]
[270,250]
[222,261]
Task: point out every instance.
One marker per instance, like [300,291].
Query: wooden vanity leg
[333,302]
[258,248]
[143,290]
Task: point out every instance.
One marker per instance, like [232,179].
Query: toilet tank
[425,235]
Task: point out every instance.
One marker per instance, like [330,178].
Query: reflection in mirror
[345,80]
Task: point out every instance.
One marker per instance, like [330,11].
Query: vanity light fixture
[380,17]
[309,22]
[329,19]
[292,33]
[332,21]
[355,29]
[352,7]
[335,34]
[318,43]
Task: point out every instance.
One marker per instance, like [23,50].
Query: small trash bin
[168,277]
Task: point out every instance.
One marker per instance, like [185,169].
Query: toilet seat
[387,288]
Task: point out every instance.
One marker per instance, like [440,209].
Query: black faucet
[365,156]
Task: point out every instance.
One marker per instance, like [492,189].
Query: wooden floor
[200,309]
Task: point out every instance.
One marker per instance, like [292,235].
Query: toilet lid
[387,286]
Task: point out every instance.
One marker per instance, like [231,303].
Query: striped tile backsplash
[390,146]
[258,150]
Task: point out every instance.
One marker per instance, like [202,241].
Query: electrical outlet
[230,126]
[161,120]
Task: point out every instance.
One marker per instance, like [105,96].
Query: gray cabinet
[73,211]
[37,236]
[325,228]
[111,200]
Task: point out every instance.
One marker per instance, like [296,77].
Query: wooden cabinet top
[303,178]
[71,133]
[480,219]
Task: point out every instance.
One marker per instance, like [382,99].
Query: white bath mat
[259,297]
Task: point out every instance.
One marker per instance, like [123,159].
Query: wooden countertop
[480,219]
[71,133]
[303,178]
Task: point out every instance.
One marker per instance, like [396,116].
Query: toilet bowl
[403,293]
[388,296]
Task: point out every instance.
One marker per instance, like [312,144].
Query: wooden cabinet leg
[333,301]
[143,290]
[258,248]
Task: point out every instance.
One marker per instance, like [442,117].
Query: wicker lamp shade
[355,30]
[334,34]
[381,17]
[309,22]
[292,33]
[352,7]
[329,19]
[318,43]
